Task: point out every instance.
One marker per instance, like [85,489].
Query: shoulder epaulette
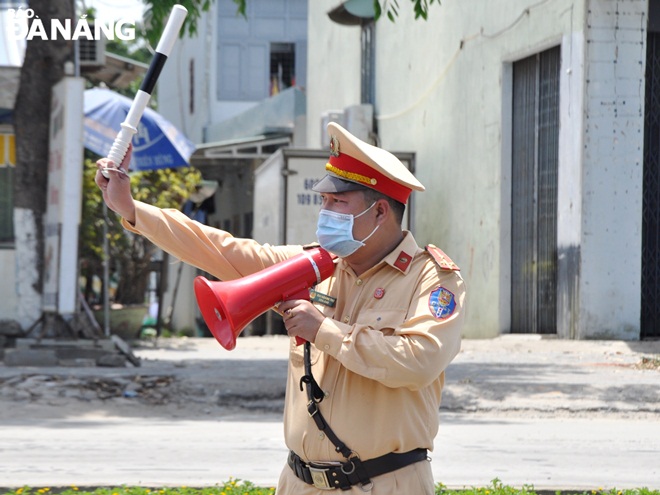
[441,259]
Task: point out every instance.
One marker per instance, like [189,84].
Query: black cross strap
[314,396]
[353,471]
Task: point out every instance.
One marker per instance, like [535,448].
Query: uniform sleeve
[212,250]
[415,353]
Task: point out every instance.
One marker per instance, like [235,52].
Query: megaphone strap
[315,395]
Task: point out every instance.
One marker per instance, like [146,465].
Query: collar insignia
[402,261]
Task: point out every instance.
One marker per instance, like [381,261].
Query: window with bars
[282,67]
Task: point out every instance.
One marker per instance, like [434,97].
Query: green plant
[230,487]
[241,487]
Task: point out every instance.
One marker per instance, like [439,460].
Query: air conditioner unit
[336,116]
[91,52]
[359,121]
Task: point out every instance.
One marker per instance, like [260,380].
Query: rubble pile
[155,390]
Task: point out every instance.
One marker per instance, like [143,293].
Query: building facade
[527,119]
[532,125]
[237,90]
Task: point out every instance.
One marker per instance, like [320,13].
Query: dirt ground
[193,378]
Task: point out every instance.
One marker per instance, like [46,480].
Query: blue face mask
[335,232]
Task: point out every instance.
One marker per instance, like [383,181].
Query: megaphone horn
[228,307]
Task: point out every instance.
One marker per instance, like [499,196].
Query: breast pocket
[297,354]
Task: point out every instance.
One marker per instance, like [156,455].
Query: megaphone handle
[303,294]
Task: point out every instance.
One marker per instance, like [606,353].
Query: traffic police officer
[362,400]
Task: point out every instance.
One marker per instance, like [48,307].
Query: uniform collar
[401,256]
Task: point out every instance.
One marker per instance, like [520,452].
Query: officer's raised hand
[116,188]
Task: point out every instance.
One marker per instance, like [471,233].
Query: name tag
[324,299]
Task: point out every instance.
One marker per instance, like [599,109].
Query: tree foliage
[129,255]
[392,8]
[156,14]
[157,11]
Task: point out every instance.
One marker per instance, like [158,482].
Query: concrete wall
[8,295]
[443,91]
[333,68]
[610,272]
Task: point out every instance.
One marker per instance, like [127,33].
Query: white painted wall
[571,145]
[333,68]
[443,91]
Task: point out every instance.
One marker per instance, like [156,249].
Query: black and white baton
[164,48]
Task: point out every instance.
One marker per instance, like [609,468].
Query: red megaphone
[228,307]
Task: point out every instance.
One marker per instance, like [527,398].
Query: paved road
[470,450]
[554,414]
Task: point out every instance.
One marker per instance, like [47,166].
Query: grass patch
[241,487]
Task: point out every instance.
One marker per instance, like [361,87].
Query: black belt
[331,475]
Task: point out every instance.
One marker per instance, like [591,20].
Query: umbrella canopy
[157,144]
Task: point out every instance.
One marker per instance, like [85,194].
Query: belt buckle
[320,476]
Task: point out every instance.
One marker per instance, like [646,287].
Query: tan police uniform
[380,354]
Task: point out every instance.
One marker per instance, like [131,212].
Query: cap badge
[334,146]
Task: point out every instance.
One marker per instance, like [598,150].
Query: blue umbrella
[157,144]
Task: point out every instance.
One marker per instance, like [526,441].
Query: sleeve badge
[442,303]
